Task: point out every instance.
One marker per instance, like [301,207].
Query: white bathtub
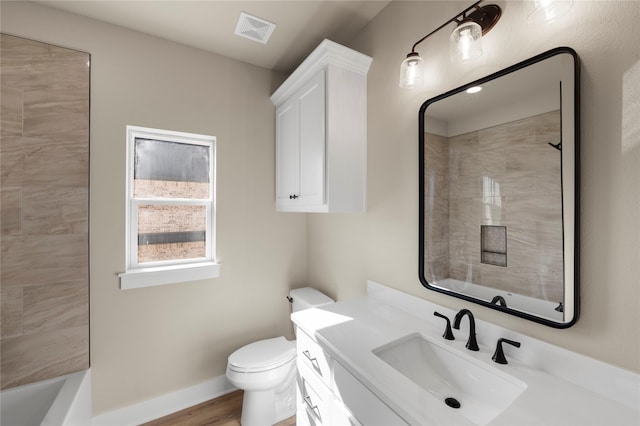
[516,301]
[61,401]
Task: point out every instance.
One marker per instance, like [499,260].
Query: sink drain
[452,402]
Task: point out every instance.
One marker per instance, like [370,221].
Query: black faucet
[499,300]
[498,355]
[472,344]
[448,334]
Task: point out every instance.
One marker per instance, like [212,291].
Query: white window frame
[169,271]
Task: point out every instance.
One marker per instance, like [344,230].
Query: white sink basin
[479,391]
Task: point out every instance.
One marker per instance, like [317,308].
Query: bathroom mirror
[499,190]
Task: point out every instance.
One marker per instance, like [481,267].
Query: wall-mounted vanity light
[546,11]
[465,41]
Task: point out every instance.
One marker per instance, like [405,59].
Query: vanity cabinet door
[300,149]
[341,416]
[364,405]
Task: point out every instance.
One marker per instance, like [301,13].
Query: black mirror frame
[422,188]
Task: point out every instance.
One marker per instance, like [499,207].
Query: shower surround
[44,211]
[507,178]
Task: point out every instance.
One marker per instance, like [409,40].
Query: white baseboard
[164,405]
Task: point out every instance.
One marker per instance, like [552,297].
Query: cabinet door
[300,149]
[365,406]
[287,152]
[311,100]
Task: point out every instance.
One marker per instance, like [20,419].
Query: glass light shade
[412,71]
[466,42]
[541,12]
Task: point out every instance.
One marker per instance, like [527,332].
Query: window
[170,207]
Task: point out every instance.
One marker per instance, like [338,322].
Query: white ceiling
[210,24]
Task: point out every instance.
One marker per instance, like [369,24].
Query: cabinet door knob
[293,197]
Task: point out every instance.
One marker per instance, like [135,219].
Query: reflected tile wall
[508,176]
[44,154]
[436,207]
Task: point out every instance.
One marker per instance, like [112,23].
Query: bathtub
[515,301]
[64,400]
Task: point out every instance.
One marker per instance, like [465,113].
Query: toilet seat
[262,355]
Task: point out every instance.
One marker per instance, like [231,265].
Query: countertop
[349,331]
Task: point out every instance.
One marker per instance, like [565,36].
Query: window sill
[149,277]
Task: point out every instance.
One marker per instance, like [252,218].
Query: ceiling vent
[254,28]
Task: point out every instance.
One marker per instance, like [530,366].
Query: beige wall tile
[45,174]
[11,212]
[57,162]
[11,161]
[466,186]
[44,259]
[48,67]
[505,175]
[11,111]
[436,207]
[55,306]
[11,311]
[21,49]
[55,126]
[34,357]
[57,210]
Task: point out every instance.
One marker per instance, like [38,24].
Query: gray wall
[150,341]
[382,245]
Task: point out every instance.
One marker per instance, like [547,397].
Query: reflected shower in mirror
[498,190]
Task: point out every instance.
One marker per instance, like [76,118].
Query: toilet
[266,369]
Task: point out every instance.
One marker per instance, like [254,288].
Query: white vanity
[326,389]
[381,360]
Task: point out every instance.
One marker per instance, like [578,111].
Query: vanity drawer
[311,355]
[314,399]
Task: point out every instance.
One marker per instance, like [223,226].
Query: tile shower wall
[44,158]
[507,176]
[436,207]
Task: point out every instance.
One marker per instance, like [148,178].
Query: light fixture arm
[454,19]
[465,41]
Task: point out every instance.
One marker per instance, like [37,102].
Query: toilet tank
[307,297]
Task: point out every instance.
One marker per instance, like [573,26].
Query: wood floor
[223,411]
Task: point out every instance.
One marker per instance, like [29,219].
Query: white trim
[327,52]
[161,275]
[166,404]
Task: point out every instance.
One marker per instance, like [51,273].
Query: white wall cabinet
[321,133]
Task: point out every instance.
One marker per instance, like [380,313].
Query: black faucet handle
[498,355]
[448,333]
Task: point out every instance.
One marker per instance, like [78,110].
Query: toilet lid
[263,355]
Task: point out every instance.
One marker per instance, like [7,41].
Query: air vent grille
[254,28]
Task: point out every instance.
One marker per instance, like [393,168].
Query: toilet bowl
[266,370]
